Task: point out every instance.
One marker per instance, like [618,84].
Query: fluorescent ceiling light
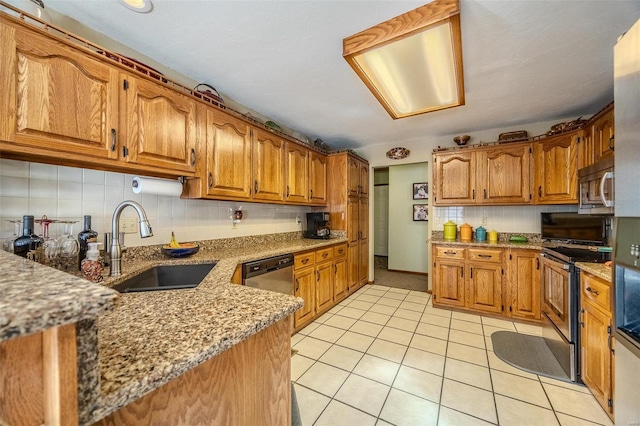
[141,6]
[412,63]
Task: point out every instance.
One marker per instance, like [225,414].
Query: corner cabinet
[556,170]
[348,206]
[596,341]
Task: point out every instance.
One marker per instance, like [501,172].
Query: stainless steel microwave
[596,188]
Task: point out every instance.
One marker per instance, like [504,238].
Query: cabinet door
[504,175]
[268,166]
[448,283]
[340,279]
[604,132]
[317,178]
[305,285]
[454,178]
[485,287]
[353,260]
[524,284]
[586,147]
[324,286]
[228,167]
[596,356]
[364,179]
[353,176]
[159,126]
[556,173]
[296,173]
[353,226]
[57,102]
[363,218]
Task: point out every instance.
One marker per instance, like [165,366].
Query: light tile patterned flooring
[386,356]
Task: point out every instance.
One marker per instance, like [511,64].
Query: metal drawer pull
[210,180]
[324,255]
[485,256]
[305,260]
[450,252]
[114,139]
[596,292]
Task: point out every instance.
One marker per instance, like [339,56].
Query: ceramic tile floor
[386,356]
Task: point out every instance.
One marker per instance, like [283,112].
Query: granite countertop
[533,245]
[150,338]
[597,269]
[36,297]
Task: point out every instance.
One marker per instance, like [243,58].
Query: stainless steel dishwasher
[274,274]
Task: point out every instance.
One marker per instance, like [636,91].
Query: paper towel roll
[144,185]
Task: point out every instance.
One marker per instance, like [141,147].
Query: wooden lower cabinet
[490,280]
[248,384]
[341,273]
[595,339]
[304,285]
[324,286]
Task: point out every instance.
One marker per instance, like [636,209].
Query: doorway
[381,218]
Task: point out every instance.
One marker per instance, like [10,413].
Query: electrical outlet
[484,221]
[128,225]
[436,220]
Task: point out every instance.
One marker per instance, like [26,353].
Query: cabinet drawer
[324,254]
[449,252]
[485,255]
[340,251]
[303,260]
[597,291]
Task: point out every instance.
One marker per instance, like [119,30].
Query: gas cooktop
[575,254]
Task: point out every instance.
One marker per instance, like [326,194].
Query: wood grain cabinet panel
[341,277]
[304,287]
[324,286]
[504,175]
[485,287]
[159,126]
[556,173]
[268,158]
[58,102]
[448,283]
[523,288]
[454,178]
[604,134]
[317,178]
[296,173]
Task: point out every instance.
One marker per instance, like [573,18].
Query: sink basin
[166,277]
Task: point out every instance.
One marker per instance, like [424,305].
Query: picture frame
[421,191]
[420,213]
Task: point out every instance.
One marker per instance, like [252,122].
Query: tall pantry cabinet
[348,205]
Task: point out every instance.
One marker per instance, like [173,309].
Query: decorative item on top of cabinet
[596,341]
[556,169]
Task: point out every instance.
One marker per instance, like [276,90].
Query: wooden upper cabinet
[603,129]
[555,170]
[317,178]
[228,156]
[353,176]
[57,101]
[504,175]
[159,126]
[454,177]
[296,173]
[586,147]
[364,179]
[268,166]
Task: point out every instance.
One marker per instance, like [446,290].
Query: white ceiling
[524,61]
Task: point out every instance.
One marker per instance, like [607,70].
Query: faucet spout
[116,249]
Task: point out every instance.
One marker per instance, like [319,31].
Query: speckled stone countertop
[597,269]
[153,337]
[36,297]
[533,245]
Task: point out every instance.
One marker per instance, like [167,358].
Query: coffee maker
[318,226]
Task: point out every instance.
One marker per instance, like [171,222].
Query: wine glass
[50,245]
[69,246]
[17,228]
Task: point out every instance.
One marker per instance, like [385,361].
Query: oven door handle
[563,265]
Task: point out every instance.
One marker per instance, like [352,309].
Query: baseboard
[409,272]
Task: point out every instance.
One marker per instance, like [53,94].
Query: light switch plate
[128,225]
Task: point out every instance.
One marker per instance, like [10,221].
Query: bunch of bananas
[173,243]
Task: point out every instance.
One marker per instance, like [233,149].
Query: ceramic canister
[450,230]
[481,233]
[493,236]
[466,232]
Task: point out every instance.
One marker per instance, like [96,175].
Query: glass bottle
[28,241]
[85,237]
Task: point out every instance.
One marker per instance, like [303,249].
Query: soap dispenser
[92,265]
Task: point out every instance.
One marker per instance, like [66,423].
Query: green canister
[450,230]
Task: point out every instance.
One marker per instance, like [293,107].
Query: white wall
[407,239]
[66,192]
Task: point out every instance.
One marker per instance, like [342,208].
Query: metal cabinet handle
[473,194]
[193,157]
[335,269]
[318,276]
[537,263]
[471,276]
[485,194]
[341,251]
[297,285]
[305,260]
[324,255]
[540,191]
[450,252]
[114,139]
[590,290]
[210,180]
[611,141]
[462,271]
[255,187]
[581,317]
[125,151]
[287,196]
[311,193]
[485,256]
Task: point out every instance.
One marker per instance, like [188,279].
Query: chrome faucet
[116,249]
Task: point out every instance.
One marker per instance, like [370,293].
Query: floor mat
[528,353]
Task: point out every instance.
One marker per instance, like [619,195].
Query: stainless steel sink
[166,277]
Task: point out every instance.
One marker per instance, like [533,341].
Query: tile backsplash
[70,193]
[513,219]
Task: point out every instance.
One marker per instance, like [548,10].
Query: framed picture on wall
[420,212]
[420,191]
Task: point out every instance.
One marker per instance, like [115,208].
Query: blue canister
[481,233]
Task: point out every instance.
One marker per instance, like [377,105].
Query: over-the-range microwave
[596,188]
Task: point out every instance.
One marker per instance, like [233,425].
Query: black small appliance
[318,226]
